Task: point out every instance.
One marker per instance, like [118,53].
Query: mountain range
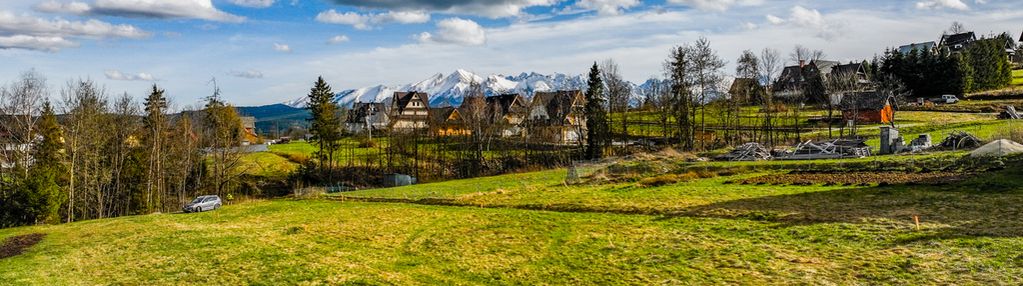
[448,90]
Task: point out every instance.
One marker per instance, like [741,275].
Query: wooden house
[507,111]
[868,107]
[410,111]
[557,117]
[447,121]
[249,126]
[369,117]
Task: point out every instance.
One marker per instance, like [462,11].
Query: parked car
[946,99]
[203,203]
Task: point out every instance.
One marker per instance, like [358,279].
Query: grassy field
[533,228]
[1017,77]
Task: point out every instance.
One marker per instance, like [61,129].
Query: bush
[658,181]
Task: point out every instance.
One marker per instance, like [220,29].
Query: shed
[868,107]
[398,180]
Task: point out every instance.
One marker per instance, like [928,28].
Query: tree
[86,135]
[155,122]
[326,123]
[770,65]
[678,68]
[956,28]
[222,134]
[20,103]
[707,78]
[596,118]
[802,55]
[36,199]
[618,94]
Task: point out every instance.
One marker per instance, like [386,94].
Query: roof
[864,100]
[851,68]
[825,67]
[926,46]
[442,114]
[507,103]
[402,99]
[558,104]
[361,110]
[957,41]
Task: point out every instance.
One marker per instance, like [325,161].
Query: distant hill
[278,116]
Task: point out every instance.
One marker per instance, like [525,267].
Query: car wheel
[216,206]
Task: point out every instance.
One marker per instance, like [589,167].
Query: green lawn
[1017,77]
[533,229]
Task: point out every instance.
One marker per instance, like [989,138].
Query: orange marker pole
[916,219]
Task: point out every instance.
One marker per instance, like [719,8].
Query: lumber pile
[747,152]
[831,149]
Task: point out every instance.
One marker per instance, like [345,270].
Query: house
[794,80]
[447,121]
[410,111]
[747,90]
[789,85]
[868,107]
[929,47]
[957,42]
[557,117]
[367,116]
[508,111]
[249,124]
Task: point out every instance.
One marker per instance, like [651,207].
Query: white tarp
[998,148]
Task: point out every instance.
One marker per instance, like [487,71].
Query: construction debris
[833,149]
[919,144]
[960,140]
[747,152]
[1009,113]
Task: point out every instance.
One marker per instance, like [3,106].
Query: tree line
[91,155]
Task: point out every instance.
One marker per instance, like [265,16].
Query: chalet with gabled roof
[557,117]
[410,111]
[925,47]
[447,121]
[367,116]
[507,111]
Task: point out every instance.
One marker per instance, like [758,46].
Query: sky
[270,51]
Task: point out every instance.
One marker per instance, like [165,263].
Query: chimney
[802,63]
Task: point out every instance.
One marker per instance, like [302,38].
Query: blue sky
[269,51]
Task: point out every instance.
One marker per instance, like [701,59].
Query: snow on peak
[448,90]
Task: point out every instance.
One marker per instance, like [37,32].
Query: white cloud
[253,3]
[456,31]
[715,5]
[367,21]
[338,39]
[249,74]
[28,25]
[36,43]
[488,8]
[118,75]
[607,7]
[938,4]
[809,19]
[191,9]
[282,48]
[73,7]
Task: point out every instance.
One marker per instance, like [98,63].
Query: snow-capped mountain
[447,90]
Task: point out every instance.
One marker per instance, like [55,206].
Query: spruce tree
[326,122]
[596,119]
[155,125]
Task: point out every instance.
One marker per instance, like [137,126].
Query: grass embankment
[708,231]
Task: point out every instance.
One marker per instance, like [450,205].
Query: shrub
[658,181]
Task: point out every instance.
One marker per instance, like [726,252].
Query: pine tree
[37,198]
[326,123]
[596,118]
[155,125]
